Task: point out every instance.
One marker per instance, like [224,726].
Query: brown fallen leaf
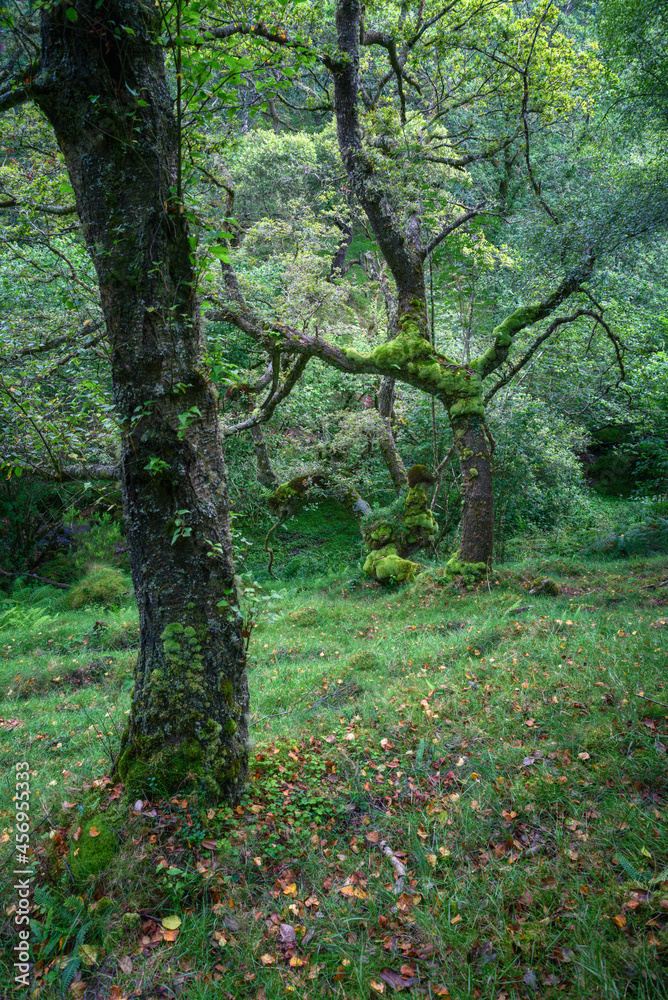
[125,964]
[93,832]
[267,959]
[620,920]
[396,980]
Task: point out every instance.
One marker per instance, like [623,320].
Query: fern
[630,870]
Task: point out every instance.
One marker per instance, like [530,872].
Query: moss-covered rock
[470,573]
[101,585]
[387,566]
[94,849]
[546,587]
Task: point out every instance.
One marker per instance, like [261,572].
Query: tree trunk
[265,471]
[103,88]
[386,442]
[474,452]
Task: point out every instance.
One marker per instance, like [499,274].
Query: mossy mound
[363,660]
[387,566]
[469,573]
[94,849]
[304,616]
[101,585]
[545,587]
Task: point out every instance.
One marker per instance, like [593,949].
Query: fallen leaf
[396,980]
[378,987]
[93,832]
[620,920]
[171,923]
[353,890]
[290,890]
[268,959]
[431,860]
[373,836]
[125,964]
[209,845]
[88,955]
[584,756]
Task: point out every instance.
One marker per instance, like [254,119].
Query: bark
[103,88]
[398,244]
[474,453]
[386,442]
[265,471]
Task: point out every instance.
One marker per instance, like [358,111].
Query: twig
[399,866]
[660,703]
[655,586]
[516,611]
[42,579]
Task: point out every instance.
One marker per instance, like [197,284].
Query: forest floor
[451,793]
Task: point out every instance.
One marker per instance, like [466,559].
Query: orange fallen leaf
[620,920]
[93,832]
[353,890]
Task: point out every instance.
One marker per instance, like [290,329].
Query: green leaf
[221,253]
[71,14]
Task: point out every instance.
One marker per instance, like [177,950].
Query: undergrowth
[456,794]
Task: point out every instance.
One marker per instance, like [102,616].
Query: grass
[446,795]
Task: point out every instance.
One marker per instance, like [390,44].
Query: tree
[100,80]
[384,183]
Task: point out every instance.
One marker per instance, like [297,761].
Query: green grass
[507,758]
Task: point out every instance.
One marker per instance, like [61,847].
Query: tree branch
[461,221]
[262,414]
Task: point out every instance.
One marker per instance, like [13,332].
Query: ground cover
[452,794]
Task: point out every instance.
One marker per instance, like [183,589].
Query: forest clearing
[456,794]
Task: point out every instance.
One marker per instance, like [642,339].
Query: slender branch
[263,413]
[12,202]
[532,350]
[51,345]
[461,221]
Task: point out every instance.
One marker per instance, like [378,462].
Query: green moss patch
[93,850]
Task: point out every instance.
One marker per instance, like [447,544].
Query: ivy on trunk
[101,84]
